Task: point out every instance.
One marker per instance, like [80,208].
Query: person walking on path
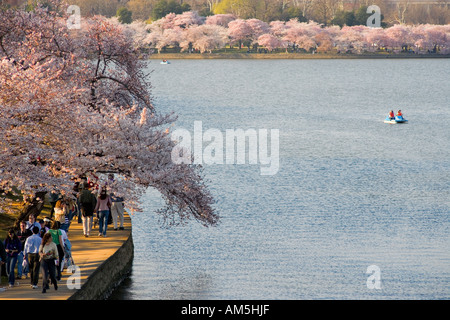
[61,211]
[48,253]
[3,259]
[22,265]
[57,238]
[12,248]
[31,252]
[53,199]
[117,209]
[32,222]
[102,208]
[43,228]
[87,206]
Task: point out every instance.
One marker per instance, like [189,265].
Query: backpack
[87,202]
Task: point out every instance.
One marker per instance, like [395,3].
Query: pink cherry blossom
[270,41]
[220,19]
[239,31]
[78,103]
[205,38]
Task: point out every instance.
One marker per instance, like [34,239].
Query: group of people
[105,205]
[45,246]
[34,247]
[392,115]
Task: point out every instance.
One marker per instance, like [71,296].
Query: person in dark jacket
[12,248]
[87,205]
[22,234]
[2,255]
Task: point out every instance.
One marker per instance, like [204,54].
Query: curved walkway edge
[101,264]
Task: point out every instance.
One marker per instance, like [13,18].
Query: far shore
[173,56]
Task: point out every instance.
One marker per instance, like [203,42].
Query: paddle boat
[165,62]
[397,119]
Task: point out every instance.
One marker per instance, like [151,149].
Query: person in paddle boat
[164,60]
[391,115]
[400,114]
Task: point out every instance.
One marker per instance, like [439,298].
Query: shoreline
[290,56]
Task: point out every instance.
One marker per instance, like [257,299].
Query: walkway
[88,254]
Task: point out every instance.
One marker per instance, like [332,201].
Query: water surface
[351,191]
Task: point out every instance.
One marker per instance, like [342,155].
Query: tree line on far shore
[190,32]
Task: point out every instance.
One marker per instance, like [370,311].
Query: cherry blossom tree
[188,18]
[278,28]
[170,37]
[301,34]
[437,36]
[137,30]
[324,42]
[352,39]
[396,36]
[167,22]
[258,27]
[239,31]
[77,102]
[205,38]
[376,38]
[270,42]
[220,19]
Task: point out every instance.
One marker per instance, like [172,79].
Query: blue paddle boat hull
[397,119]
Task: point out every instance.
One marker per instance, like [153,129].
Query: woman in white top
[49,256]
[60,211]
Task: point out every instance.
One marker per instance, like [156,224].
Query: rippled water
[351,191]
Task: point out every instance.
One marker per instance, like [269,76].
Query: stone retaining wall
[100,284]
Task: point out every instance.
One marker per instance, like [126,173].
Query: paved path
[88,254]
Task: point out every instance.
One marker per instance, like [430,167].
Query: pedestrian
[60,211]
[64,238]
[3,259]
[22,265]
[32,222]
[102,208]
[87,206]
[48,223]
[44,229]
[72,207]
[12,248]
[117,210]
[31,251]
[57,238]
[48,253]
[53,199]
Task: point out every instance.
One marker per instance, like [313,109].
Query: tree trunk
[34,207]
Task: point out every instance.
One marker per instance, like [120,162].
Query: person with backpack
[87,205]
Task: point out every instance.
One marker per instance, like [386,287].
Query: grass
[236,53]
[11,212]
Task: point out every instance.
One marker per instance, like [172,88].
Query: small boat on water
[165,62]
[397,119]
